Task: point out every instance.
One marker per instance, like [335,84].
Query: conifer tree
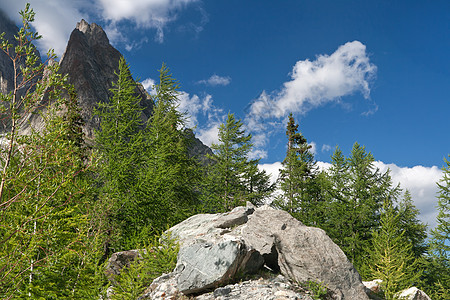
[369,189]
[353,191]
[393,260]
[414,230]
[336,192]
[120,144]
[232,177]
[297,180]
[169,176]
[148,178]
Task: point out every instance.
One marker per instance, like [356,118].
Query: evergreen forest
[66,206]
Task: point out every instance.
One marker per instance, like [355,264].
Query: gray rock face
[303,253]
[197,149]
[273,238]
[203,266]
[90,61]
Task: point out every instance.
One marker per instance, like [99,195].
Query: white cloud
[191,106]
[257,154]
[54,20]
[143,13]
[326,148]
[419,180]
[272,169]
[314,83]
[313,148]
[136,44]
[210,134]
[196,107]
[148,85]
[215,80]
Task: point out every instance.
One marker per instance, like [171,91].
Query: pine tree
[297,180]
[169,176]
[414,230]
[336,191]
[119,143]
[148,179]
[353,191]
[369,189]
[233,178]
[256,183]
[393,260]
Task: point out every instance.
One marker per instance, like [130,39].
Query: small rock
[413,293]
[222,291]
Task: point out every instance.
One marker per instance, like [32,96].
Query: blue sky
[372,72]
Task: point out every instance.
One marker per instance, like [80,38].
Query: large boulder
[215,249]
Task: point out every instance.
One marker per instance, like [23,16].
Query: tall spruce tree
[414,230]
[169,177]
[149,181]
[120,144]
[336,193]
[369,189]
[298,179]
[233,178]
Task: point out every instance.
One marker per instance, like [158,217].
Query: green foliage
[147,179]
[414,230]
[46,244]
[298,179]
[233,178]
[438,275]
[354,194]
[393,260]
[318,289]
[170,177]
[120,144]
[441,234]
[159,256]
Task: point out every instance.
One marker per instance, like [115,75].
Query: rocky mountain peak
[91,63]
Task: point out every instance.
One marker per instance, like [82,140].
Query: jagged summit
[91,62]
[92,30]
